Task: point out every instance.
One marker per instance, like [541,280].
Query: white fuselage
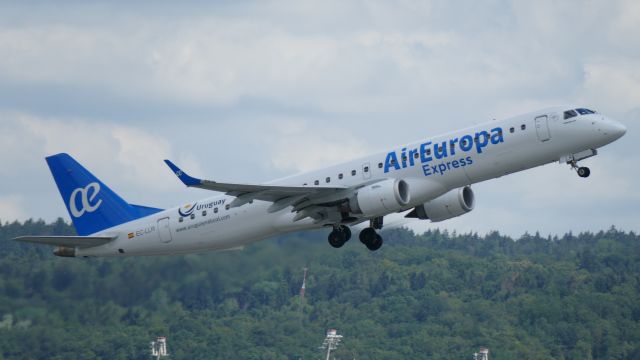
[512,145]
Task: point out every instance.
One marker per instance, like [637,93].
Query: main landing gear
[339,236]
[582,171]
[369,237]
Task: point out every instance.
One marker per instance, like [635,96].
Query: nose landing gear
[573,159]
[582,171]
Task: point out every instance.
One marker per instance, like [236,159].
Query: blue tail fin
[91,204]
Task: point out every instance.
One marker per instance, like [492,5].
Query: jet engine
[380,198]
[454,203]
[64,251]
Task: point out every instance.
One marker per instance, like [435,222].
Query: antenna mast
[159,348]
[302,290]
[304,285]
[331,342]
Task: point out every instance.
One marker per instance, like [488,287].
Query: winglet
[186,179]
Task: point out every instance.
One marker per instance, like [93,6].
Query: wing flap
[81,242]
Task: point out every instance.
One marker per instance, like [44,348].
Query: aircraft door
[542,128]
[164,230]
[366,171]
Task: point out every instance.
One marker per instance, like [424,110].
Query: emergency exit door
[164,230]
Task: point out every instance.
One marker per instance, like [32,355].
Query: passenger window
[193,216]
[340,176]
[305,184]
[204,212]
[569,114]
[428,152]
[523,126]
[416,155]
[227,207]
[353,173]
[317,182]
[379,165]
[215,210]
[452,146]
[328,179]
[404,158]
[393,162]
[180,219]
[366,169]
[511,130]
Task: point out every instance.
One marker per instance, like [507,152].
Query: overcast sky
[251,91]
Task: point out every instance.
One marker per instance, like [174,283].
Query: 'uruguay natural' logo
[188,209]
[430,152]
[87,195]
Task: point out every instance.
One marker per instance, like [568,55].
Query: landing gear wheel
[367,235]
[346,231]
[584,172]
[339,236]
[371,239]
[336,239]
[376,244]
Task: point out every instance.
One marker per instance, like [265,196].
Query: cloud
[127,158]
[249,91]
[298,146]
[124,153]
[614,83]
[218,60]
[12,208]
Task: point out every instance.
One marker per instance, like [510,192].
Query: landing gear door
[164,230]
[542,128]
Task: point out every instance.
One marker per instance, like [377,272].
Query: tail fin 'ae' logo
[87,195]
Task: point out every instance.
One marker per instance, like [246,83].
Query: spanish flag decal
[131,235]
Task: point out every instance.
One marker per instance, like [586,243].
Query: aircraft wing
[69,241]
[302,198]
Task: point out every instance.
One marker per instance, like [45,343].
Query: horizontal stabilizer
[69,241]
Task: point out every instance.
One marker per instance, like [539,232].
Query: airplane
[426,180]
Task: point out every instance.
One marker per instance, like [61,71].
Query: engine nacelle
[380,198]
[454,203]
[64,251]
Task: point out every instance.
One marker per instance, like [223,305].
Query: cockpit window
[585,111]
[569,114]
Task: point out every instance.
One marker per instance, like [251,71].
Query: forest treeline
[436,295]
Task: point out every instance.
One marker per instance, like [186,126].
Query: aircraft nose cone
[617,130]
[611,129]
[621,130]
